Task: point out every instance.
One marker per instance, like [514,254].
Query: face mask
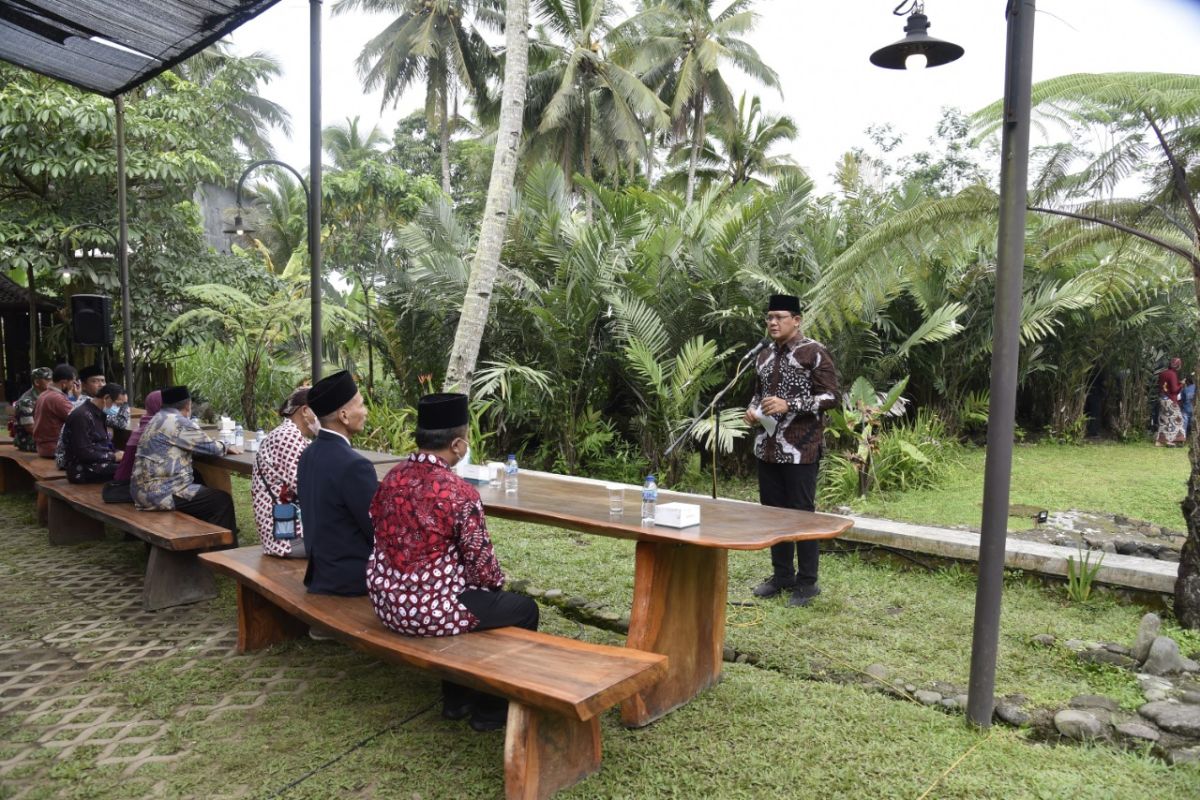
[111,411]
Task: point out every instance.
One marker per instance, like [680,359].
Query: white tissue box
[677,515]
[476,473]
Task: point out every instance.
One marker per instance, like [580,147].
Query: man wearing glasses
[796,381]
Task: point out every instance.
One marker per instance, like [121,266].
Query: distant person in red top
[433,571]
[52,409]
[1170,419]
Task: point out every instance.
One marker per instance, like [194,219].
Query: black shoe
[803,595]
[483,724]
[457,712]
[771,587]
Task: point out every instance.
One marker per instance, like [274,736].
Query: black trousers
[493,610]
[791,486]
[211,505]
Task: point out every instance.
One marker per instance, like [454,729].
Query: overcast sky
[820,51]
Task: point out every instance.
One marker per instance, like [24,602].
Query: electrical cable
[354,747]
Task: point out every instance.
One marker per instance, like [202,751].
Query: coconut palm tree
[434,41]
[687,44]
[585,107]
[348,148]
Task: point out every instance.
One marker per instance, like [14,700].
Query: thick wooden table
[680,575]
[215,470]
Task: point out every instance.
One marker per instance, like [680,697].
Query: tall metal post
[123,247]
[314,176]
[1010,264]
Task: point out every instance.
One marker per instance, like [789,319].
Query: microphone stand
[716,421]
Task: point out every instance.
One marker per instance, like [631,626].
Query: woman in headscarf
[1170,418]
[274,476]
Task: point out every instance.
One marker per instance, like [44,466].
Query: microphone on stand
[753,351]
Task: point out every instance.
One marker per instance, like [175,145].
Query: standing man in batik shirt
[163,479]
[274,477]
[796,382]
[23,411]
[433,571]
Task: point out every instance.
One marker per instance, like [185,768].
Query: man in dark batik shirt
[796,382]
[88,453]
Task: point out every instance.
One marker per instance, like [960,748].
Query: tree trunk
[473,319]
[444,134]
[587,148]
[249,379]
[33,320]
[697,141]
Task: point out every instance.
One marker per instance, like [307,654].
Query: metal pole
[1010,263]
[314,176]
[123,246]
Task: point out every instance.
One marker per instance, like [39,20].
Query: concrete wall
[217,207]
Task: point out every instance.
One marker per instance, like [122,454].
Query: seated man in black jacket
[88,453]
[335,486]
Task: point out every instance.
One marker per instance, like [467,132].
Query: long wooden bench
[78,513]
[20,471]
[556,687]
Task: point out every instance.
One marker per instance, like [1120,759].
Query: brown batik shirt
[801,372]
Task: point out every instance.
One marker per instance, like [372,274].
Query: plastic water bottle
[510,475]
[239,436]
[649,500]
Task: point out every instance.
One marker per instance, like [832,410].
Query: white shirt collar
[339,435]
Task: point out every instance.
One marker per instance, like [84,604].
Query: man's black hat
[175,394]
[329,394]
[784,302]
[90,372]
[437,412]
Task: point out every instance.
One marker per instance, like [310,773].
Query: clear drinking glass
[616,499]
[495,474]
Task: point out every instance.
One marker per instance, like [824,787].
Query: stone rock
[1174,717]
[534,591]
[1117,648]
[1137,732]
[1190,696]
[1147,631]
[879,672]
[1044,639]
[1190,665]
[926,697]
[1148,682]
[576,602]
[742,658]
[1075,645]
[1155,695]
[729,654]
[553,594]
[949,703]
[1012,714]
[1094,701]
[1107,657]
[910,688]
[1078,725]
[1164,657]
[1183,755]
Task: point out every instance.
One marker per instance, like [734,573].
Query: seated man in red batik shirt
[433,571]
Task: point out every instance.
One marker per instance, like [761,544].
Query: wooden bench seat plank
[170,530]
[566,676]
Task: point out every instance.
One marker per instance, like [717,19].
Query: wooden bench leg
[545,752]
[678,610]
[43,510]
[175,579]
[14,478]
[68,526]
[261,623]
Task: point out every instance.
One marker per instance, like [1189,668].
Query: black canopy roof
[112,46]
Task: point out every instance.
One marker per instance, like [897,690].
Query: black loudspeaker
[91,320]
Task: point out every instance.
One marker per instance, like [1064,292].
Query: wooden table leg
[68,526]
[175,579]
[261,623]
[678,610]
[14,478]
[545,752]
[214,477]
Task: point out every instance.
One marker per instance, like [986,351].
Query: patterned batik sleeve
[191,437]
[825,382]
[480,567]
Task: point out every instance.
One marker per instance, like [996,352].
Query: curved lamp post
[1006,319]
[314,248]
[917,49]
[123,260]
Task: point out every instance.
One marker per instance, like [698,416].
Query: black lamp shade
[917,41]
[238,228]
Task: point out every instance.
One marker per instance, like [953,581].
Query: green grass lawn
[1137,480]
[790,726]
